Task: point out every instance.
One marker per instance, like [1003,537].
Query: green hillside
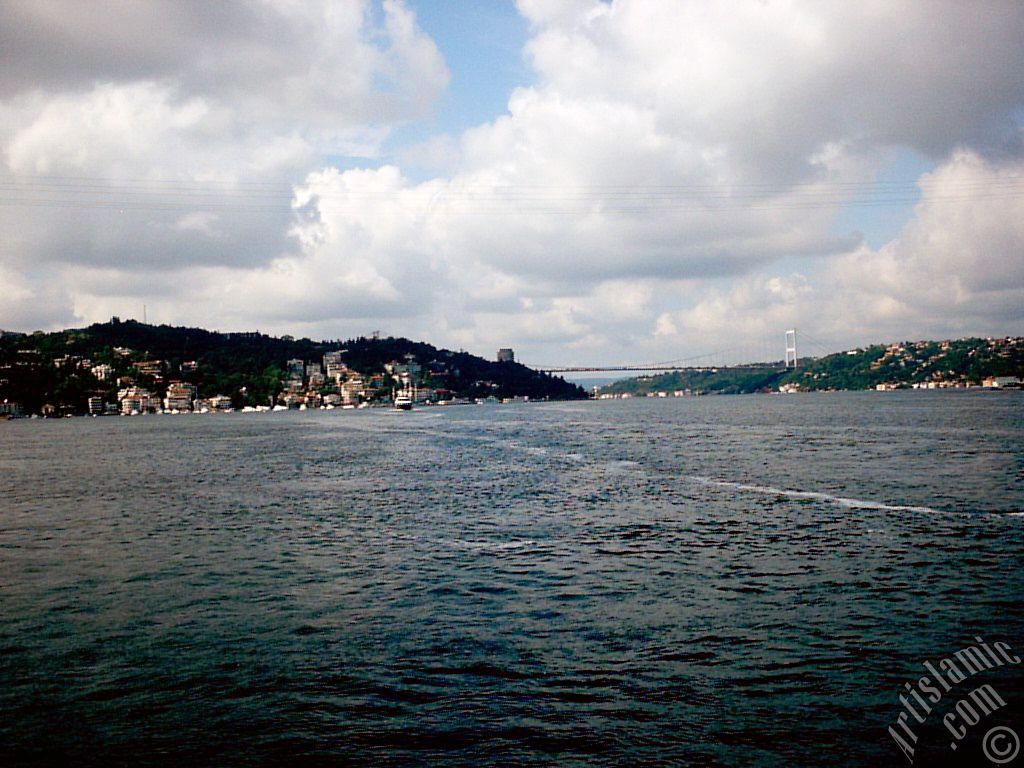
[901,364]
[57,368]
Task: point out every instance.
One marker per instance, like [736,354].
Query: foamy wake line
[841,501]
[491,546]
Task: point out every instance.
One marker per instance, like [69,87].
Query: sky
[588,182]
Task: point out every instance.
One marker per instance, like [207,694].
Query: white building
[1001,382]
[180,396]
[220,403]
[102,372]
[352,389]
[137,400]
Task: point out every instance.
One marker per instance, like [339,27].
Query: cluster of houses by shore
[325,384]
[129,386]
[991,382]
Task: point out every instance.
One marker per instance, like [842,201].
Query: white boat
[405,397]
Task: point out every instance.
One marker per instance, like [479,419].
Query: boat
[405,397]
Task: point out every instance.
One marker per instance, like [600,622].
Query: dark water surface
[709,581]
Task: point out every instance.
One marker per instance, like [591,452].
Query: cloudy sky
[587,182]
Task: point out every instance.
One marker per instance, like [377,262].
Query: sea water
[738,581]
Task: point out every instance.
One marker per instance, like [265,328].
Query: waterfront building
[220,403]
[180,396]
[1001,382]
[352,390]
[10,408]
[136,400]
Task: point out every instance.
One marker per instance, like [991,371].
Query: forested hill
[901,364]
[59,367]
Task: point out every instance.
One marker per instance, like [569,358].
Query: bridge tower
[791,348]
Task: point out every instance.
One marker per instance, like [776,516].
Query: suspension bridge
[699,363]
[659,367]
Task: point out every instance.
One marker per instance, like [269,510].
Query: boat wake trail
[841,501]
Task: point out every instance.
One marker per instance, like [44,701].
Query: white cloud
[166,138]
[669,183]
[768,83]
[322,64]
[956,268]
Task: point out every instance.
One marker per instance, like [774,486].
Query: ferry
[404,398]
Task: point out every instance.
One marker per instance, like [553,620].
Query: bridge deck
[663,368]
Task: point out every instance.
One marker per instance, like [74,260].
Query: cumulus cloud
[674,153]
[770,83]
[161,137]
[318,64]
[958,265]
[670,180]
[955,269]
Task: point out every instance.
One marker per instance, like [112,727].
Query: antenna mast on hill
[791,347]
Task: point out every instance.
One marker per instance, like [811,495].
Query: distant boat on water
[404,398]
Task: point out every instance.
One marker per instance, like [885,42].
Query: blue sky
[880,219]
[586,182]
[482,43]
